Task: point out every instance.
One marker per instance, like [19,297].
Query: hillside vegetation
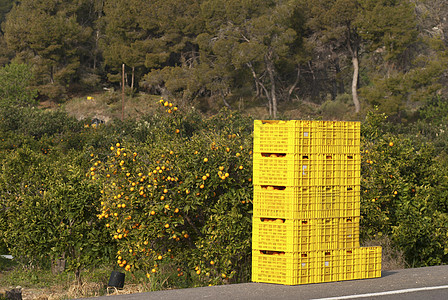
[345,56]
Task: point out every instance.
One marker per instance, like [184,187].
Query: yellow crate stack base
[294,268]
[289,268]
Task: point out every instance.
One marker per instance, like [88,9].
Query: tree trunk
[339,81]
[78,276]
[273,95]
[314,88]
[132,78]
[58,265]
[355,83]
[296,82]
[261,85]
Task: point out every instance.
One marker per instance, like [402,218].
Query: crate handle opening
[350,156]
[271,188]
[267,252]
[304,156]
[329,157]
[268,154]
[273,220]
[273,122]
[304,222]
[349,189]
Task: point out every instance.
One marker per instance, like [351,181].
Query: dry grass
[75,291]
[108,106]
[392,258]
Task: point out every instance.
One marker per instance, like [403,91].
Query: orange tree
[49,210]
[183,198]
[402,192]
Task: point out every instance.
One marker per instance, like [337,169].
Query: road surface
[430,283]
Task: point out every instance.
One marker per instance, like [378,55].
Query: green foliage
[388,24]
[37,123]
[15,89]
[48,35]
[191,50]
[50,212]
[337,109]
[402,193]
[183,199]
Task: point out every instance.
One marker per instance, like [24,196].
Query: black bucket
[116,280]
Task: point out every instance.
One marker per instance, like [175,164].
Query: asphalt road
[429,283]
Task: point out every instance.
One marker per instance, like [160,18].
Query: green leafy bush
[402,193]
[184,199]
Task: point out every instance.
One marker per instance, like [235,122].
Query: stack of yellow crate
[307,204]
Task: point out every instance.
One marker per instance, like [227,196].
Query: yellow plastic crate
[316,266]
[280,169]
[284,267]
[350,259]
[370,262]
[350,199]
[287,170]
[292,235]
[306,136]
[330,203]
[285,235]
[329,266]
[306,202]
[344,205]
[348,264]
[360,263]
[285,202]
[328,237]
[340,137]
[307,268]
[348,232]
[349,169]
[338,233]
[297,202]
[286,136]
[341,169]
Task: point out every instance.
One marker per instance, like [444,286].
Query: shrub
[184,199]
[401,194]
[49,208]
